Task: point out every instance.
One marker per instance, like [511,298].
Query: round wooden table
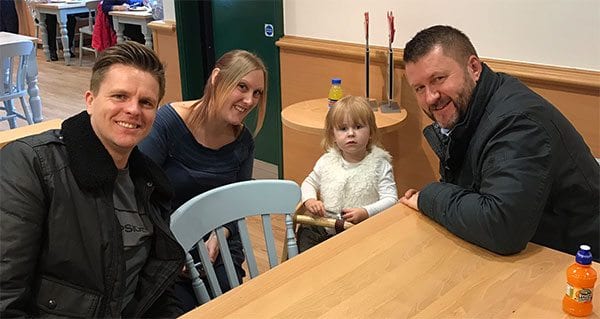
[303,126]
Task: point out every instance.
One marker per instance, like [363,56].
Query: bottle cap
[584,255]
[336,81]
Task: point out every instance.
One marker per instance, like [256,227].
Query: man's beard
[461,103]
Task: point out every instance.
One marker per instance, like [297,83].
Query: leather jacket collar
[94,168]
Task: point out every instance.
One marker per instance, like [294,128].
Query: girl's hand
[315,207]
[355,215]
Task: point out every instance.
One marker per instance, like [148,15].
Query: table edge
[319,131]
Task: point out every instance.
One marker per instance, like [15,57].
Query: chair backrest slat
[269,240]
[91,7]
[211,210]
[227,260]
[209,271]
[247,244]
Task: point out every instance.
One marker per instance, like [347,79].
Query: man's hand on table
[411,199]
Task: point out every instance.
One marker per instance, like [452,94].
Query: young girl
[354,177]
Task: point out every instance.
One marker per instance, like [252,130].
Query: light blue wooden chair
[88,30]
[234,202]
[14,58]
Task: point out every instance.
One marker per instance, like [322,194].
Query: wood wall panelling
[307,66]
[26,24]
[164,35]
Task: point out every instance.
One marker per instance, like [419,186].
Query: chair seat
[86,30]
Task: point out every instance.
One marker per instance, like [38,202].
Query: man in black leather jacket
[513,168]
[84,228]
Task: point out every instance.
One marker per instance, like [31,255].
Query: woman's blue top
[192,168]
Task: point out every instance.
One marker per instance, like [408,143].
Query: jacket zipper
[157,225]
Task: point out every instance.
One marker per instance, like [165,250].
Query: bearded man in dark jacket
[513,168]
[84,228]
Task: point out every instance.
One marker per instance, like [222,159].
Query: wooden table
[61,10]
[141,18]
[31,76]
[401,264]
[303,127]
[19,132]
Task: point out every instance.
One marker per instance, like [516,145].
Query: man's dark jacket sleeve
[22,215]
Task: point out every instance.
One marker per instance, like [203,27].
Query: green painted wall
[236,24]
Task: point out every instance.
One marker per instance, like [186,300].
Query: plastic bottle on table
[335,91]
[581,278]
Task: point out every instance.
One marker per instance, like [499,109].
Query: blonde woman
[204,144]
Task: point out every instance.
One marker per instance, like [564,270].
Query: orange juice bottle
[335,91]
[581,278]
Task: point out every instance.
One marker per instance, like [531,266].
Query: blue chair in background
[234,202]
[14,58]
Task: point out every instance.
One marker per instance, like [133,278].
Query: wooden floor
[61,87]
[62,91]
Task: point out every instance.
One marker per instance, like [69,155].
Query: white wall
[553,32]
[169,9]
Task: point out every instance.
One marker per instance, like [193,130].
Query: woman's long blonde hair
[356,109]
[233,66]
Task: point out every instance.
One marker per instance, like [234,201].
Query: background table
[61,10]
[32,73]
[141,18]
[401,264]
[303,127]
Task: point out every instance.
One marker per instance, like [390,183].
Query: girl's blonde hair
[355,109]
[233,66]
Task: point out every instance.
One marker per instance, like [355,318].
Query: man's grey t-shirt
[136,230]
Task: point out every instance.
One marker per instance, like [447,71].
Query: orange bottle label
[581,295]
